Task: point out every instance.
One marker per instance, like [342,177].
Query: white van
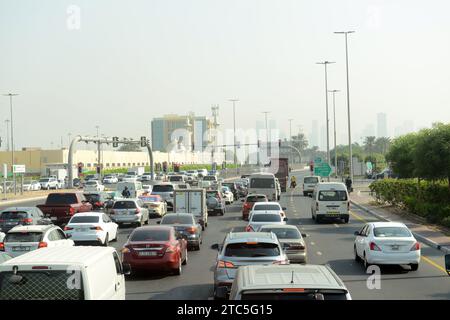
[330,201]
[136,188]
[75,273]
[263,183]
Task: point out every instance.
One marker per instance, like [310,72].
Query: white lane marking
[319,253]
[336,225]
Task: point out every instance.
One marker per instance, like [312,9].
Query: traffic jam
[75,231]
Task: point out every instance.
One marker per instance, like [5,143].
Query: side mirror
[304,235]
[215,246]
[310,195]
[285,219]
[356,233]
[158,222]
[284,209]
[126,269]
[447,263]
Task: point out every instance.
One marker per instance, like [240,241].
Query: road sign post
[322,169]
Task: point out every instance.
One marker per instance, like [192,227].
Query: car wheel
[357,258]
[366,263]
[106,243]
[414,266]
[222,212]
[318,219]
[178,270]
[346,219]
[186,258]
[304,194]
[203,227]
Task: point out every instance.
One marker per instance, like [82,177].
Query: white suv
[49,183]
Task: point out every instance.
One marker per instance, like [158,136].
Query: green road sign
[318,160]
[322,169]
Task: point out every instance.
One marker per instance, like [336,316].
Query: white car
[228,195]
[109,179]
[91,228]
[93,185]
[48,183]
[268,207]
[147,188]
[31,185]
[262,218]
[387,243]
[129,178]
[23,239]
[2,236]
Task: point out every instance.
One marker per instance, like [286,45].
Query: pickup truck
[60,207]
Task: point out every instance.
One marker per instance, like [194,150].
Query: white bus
[264,183]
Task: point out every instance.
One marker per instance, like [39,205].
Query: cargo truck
[280,167]
[191,201]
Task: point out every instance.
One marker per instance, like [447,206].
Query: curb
[419,237]
[22,200]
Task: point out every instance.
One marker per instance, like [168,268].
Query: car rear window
[85,219]
[176,178]
[177,220]
[211,194]
[23,237]
[311,180]
[265,207]
[256,199]
[385,232]
[333,195]
[262,183]
[259,249]
[266,218]
[61,198]
[92,197]
[162,188]
[12,215]
[209,178]
[124,205]
[283,233]
[150,235]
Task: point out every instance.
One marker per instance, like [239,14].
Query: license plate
[21,248]
[148,253]
[81,229]
[54,218]
[395,248]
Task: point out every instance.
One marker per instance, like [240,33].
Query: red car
[249,201]
[155,248]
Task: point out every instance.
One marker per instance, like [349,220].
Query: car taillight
[98,204]
[373,246]
[2,246]
[137,210]
[170,250]
[281,262]
[348,205]
[72,211]
[96,228]
[191,230]
[415,247]
[125,250]
[248,205]
[225,264]
[42,245]
[248,229]
[111,212]
[68,228]
[27,220]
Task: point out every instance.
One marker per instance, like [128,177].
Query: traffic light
[143,142]
[115,142]
[98,169]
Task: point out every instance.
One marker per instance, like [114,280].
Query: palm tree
[369,144]
[382,145]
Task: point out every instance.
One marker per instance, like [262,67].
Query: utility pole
[267,133]
[290,137]
[99,161]
[234,127]
[7,135]
[348,104]
[334,127]
[12,138]
[325,63]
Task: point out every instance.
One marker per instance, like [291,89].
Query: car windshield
[266,218]
[333,195]
[266,207]
[23,237]
[150,235]
[176,178]
[177,220]
[162,188]
[61,198]
[228,185]
[85,219]
[311,180]
[225,189]
[283,233]
[395,232]
[44,180]
[124,205]
[209,178]
[262,183]
[252,249]
[91,183]
[13,215]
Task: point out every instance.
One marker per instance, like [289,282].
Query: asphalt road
[327,243]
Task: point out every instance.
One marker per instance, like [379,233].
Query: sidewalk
[432,235]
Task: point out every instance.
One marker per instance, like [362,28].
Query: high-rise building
[381,125]
[314,139]
[184,130]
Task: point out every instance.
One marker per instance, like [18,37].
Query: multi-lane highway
[327,243]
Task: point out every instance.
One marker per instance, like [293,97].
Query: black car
[13,216]
[99,200]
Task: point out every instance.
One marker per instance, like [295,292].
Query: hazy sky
[134,60]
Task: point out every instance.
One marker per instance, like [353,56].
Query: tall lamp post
[290,137]
[334,127]
[325,63]
[348,104]
[10,95]
[234,128]
[267,132]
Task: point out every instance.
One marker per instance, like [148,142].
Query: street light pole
[348,105]
[234,128]
[12,138]
[325,63]
[290,137]
[7,134]
[267,132]
[334,126]
[99,161]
